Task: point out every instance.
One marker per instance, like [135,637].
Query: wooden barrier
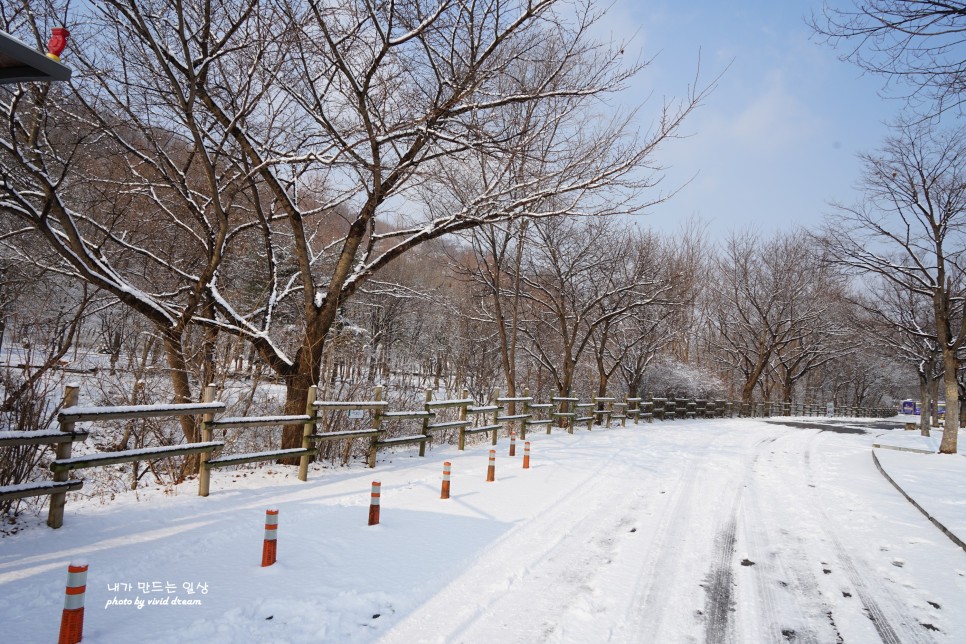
[588,417]
[522,419]
[61,483]
[461,424]
[489,418]
[64,462]
[481,426]
[635,410]
[604,410]
[534,409]
[208,424]
[564,413]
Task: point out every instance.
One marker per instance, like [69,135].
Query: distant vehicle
[914,407]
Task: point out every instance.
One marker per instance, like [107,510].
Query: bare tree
[580,276]
[909,229]
[623,338]
[766,298]
[917,43]
[818,342]
[313,143]
[639,340]
[899,321]
[496,267]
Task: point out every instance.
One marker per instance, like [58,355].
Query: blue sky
[778,138]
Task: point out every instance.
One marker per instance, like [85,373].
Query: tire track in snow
[549,546]
[786,600]
[889,617]
[719,604]
[649,594]
[719,598]
[693,522]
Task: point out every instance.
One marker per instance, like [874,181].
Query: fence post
[491,468]
[526,410]
[204,474]
[462,439]
[55,515]
[422,444]
[376,424]
[307,430]
[374,503]
[496,414]
[72,619]
[270,544]
[550,413]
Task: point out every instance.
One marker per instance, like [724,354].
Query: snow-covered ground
[936,482]
[712,530]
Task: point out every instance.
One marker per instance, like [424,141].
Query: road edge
[946,531]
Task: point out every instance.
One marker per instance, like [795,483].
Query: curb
[914,450]
[952,537]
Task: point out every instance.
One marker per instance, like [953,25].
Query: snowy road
[724,534]
[698,531]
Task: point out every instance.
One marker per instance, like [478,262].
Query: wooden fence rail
[471,417]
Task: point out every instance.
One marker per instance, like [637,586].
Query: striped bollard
[526,455]
[444,492]
[72,619]
[491,470]
[270,545]
[374,503]
[513,444]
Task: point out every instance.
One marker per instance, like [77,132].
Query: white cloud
[774,119]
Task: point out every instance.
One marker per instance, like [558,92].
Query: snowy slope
[723,531]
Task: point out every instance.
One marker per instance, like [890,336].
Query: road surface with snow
[714,530]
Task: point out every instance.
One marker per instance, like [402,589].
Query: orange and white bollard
[444,492]
[513,444]
[374,503]
[526,455]
[491,470]
[270,545]
[72,620]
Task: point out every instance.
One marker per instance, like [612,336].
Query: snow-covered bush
[666,376]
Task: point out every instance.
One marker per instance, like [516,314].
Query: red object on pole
[57,42]
[526,455]
[72,620]
[270,545]
[491,470]
[444,492]
[513,444]
[374,503]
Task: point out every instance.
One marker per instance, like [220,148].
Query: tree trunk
[174,352]
[747,391]
[933,410]
[951,424]
[924,398]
